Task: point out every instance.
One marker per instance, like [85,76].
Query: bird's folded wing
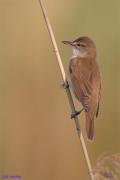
[80,79]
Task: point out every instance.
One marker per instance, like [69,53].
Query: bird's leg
[65,85]
[76,113]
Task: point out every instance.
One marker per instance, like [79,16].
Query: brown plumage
[84,77]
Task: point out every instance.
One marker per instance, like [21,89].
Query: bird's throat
[78,53]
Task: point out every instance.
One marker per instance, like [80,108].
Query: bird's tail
[89,126]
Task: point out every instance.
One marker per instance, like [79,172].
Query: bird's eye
[78,44]
[83,44]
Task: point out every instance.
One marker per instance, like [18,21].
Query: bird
[84,78]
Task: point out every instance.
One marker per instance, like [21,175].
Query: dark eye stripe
[83,45]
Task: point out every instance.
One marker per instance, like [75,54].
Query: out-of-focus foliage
[107,167]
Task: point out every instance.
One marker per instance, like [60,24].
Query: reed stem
[70,99]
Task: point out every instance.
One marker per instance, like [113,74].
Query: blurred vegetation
[38,139]
[107,167]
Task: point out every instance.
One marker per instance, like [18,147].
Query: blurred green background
[37,138]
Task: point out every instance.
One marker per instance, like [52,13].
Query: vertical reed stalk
[70,99]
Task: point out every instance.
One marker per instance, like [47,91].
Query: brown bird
[85,80]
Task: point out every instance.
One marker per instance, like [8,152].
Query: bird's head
[82,47]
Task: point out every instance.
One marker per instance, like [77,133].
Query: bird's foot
[76,113]
[65,85]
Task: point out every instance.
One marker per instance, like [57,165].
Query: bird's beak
[69,43]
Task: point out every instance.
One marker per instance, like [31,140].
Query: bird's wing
[99,92]
[86,86]
[93,103]
[80,79]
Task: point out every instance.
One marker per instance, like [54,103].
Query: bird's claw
[65,85]
[76,113]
